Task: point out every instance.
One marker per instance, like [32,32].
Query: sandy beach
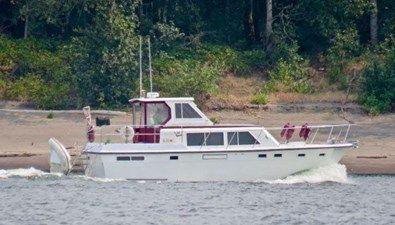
[24,134]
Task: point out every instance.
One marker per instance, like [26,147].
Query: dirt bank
[24,134]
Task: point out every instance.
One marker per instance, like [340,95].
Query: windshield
[150,114]
[157,113]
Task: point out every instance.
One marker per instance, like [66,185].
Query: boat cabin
[150,115]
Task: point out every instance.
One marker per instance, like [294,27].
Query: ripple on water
[325,195]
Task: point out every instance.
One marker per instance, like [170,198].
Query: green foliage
[33,89]
[322,20]
[25,89]
[215,120]
[344,50]
[50,115]
[30,72]
[378,85]
[104,56]
[85,52]
[185,77]
[166,36]
[260,99]
[190,72]
[289,77]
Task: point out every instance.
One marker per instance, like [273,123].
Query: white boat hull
[205,166]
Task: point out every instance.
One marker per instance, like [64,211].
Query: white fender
[59,157]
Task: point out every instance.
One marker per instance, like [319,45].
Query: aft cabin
[150,115]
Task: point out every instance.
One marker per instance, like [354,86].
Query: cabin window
[241,138]
[137,158]
[157,113]
[262,156]
[322,154]
[278,155]
[195,139]
[301,155]
[198,139]
[185,110]
[123,158]
[214,138]
[233,138]
[174,157]
[245,138]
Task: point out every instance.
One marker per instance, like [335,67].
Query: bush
[345,48]
[43,95]
[30,72]
[185,78]
[223,57]
[25,89]
[165,36]
[231,60]
[378,85]
[3,88]
[260,99]
[215,120]
[189,72]
[289,77]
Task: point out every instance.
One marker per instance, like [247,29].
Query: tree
[269,23]
[105,54]
[373,23]
[249,21]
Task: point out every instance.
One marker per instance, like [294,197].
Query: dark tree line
[242,23]
[87,49]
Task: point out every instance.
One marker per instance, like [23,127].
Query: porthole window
[137,158]
[278,155]
[262,156]
[174,157]
[123,158]
[322,154]
[301,155]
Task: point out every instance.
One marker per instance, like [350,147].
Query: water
[321,196]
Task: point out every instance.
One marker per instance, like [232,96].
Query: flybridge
[167,112]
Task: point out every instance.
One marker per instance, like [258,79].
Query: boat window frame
[205,139]
[179,111]
[143,118]
[236,134]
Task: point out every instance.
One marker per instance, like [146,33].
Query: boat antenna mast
[141,68]
[150,94]
[149,63]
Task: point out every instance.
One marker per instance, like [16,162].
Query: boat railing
[329,134]
[318,134]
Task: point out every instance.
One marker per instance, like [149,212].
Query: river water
[321,196]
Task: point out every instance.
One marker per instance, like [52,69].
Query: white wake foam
[27,173]
[331,173]
[98,179]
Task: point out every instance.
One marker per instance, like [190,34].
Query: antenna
[149,62]
[141,71]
